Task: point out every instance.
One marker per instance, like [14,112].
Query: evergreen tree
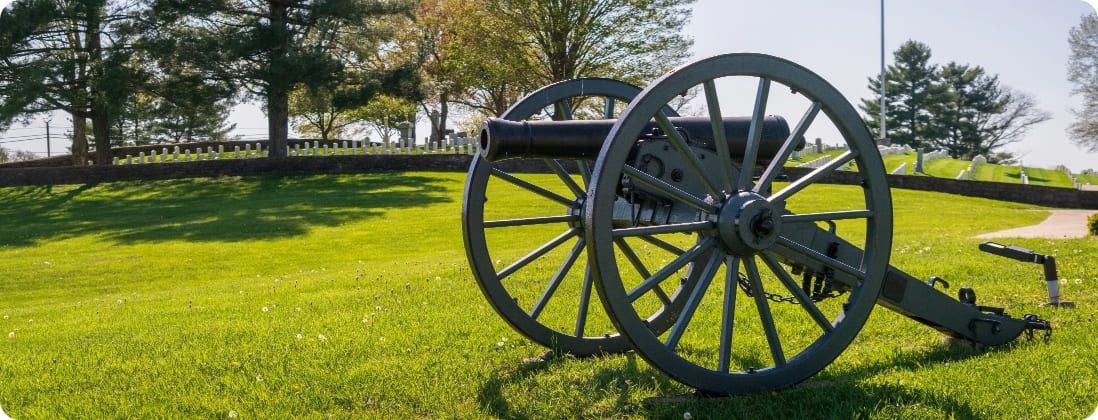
[268,49]
[956,107]
[64,55]
[912,92]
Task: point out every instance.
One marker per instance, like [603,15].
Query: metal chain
[745,285]
[1033,322]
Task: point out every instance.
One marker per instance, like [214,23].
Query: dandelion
[119,301]
[381,339]
[259,378]
[299,336]
[687,416]
[438,278]
[1078,281]
[321,337]
[5,317]
[364,320]
[11,334]
[265,309]
[298,309]
[1063,281]
[232,414]
[377,308]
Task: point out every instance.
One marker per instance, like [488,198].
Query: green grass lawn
[1087,179]
[945,167]
[1048,177]
[996,173]
[892,162]
[349,296]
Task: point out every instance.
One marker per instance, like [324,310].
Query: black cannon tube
[582,139]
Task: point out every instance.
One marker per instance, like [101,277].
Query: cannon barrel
[582,139]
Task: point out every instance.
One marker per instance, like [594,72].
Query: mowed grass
[349,296]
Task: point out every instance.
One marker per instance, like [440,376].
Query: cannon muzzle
[582,139]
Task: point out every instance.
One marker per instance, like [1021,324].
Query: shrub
[1092,222]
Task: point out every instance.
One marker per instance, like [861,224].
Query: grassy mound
[349,296]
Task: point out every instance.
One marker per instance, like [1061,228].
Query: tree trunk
[278,120]
[102,128]
[79,139]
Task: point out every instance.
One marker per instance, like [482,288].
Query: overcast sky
[1023,41]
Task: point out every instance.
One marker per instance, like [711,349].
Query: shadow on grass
[207,209]
[844,394]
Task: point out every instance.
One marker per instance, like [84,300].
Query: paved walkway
[1060,224]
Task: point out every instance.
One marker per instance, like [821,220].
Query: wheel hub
[748,223]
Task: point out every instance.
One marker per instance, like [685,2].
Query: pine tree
[912,92]
[268,49]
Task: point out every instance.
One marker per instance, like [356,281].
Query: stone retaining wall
[1030,194]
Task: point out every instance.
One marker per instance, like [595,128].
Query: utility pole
[48,154]
[884,135]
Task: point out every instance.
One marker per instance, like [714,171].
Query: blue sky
[1023,41]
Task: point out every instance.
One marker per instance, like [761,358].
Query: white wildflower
[232,414]
[11,334]
[265,309]
[321,337]
[687,416]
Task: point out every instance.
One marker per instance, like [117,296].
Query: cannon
[710,261]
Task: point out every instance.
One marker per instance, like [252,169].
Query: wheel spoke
[542,250]
[563,110]
[691,227]
[535,189]
[565,267]
[566,178]
[818,257]
[720,139]
[671,268]
[728,314]
[608,109]
[754,136]
[669,190]
[641,269]
[585,171]
[813,176]
[530,221]
[687,155]
[765,315]
[828,216]
[584,303]
[802,297]
[694,300]
[787,148]
[662,244]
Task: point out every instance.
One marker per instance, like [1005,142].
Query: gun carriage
[708,263]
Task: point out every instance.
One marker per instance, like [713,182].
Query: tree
[313,113]
[501,49]
[268,49]
[1083,74]
[57,55]
[385,114]
[957,107]
[912,93]
[634,41]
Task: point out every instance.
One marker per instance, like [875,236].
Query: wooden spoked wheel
[742,236]
[524,231]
